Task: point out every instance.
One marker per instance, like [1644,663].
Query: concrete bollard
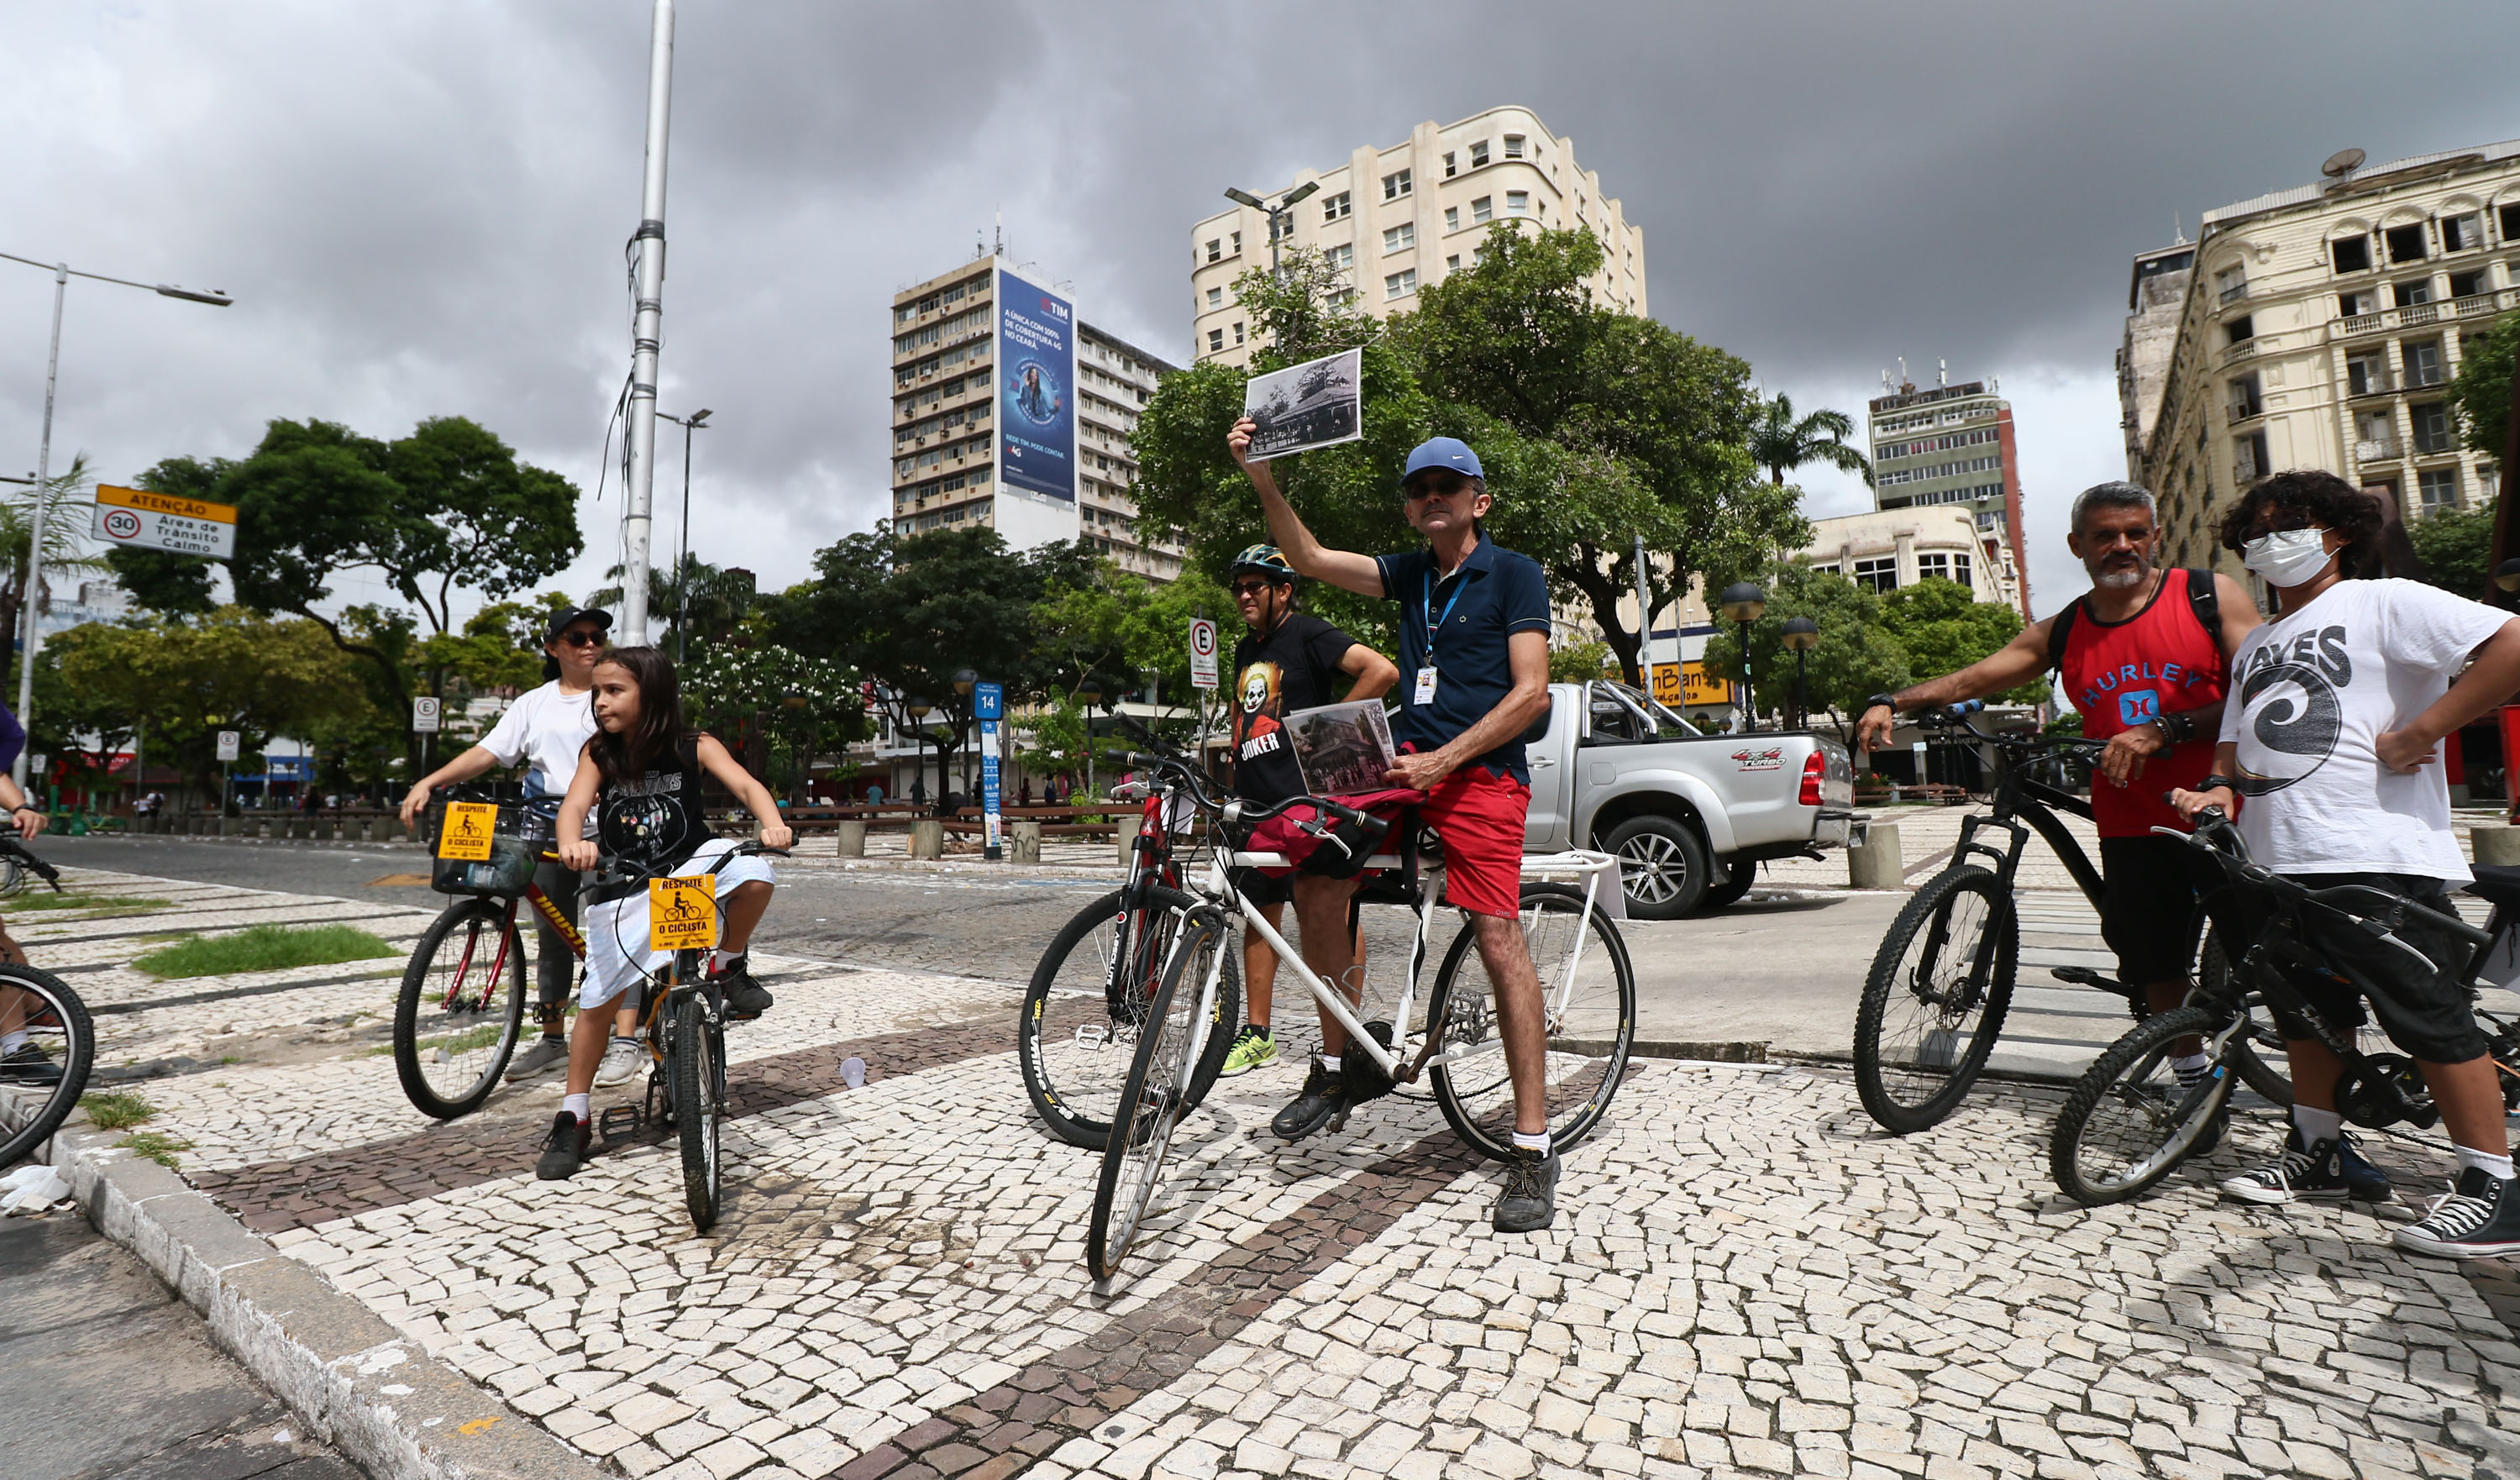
[1023,842]
[1876,864]
[392,830]
[852,839]
[2496,843]
[927,839]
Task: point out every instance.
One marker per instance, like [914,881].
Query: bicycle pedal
[616,1122]
[1336,1123]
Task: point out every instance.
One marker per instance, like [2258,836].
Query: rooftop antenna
[2341,165]
[1943,373]
[2179,227]
[1002,234]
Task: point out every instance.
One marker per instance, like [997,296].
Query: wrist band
[2224,781]
[1889,702]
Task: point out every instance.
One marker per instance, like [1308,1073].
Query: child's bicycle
[1588,1005]
[45,1072]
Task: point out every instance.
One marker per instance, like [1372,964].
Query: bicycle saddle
[2497,883]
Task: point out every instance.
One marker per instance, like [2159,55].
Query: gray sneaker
[1529,1202]
[622,1061]
[537,1057]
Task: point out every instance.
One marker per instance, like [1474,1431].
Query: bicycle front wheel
[462,1000]
[1934,1003]
[1156,1094]
[2129,1123]
[1087,1001]
[41,1080]
[699,1106]
[1587,992]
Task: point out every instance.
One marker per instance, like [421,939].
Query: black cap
[566,614]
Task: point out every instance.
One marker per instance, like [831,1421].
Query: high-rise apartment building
[2318,327]
[1953,445]
[1398,218]
[1009,411]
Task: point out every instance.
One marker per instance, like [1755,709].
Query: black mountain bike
[43,1076]
[1941,984]
[2130,1122]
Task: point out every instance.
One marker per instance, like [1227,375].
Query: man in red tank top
[2147,675]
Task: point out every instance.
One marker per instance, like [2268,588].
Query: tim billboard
[1036,389]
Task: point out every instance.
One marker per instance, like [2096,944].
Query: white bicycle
[1588,1001]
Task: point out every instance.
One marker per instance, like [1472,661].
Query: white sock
[1524,1141]
[575,1105]
[2191,1065]
[2496,1167]
[2317,1125]
[12,1042]
[719,957]
[1330,1061]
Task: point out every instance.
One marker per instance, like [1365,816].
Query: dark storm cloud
[422,208]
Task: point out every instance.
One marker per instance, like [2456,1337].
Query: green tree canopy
[777,708]
[1942,629]
[1856,655]
[2454,545]
[1781,442]
[2482,391]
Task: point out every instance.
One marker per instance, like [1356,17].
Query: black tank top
[656,822]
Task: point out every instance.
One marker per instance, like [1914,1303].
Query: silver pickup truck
[1690,815]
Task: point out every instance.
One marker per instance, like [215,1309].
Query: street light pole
[683,563]
[1284,208]
[646,328]
[30,636]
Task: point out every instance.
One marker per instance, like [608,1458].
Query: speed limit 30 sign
[1202,653]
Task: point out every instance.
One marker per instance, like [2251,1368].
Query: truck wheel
[1733,881]
[1662,864]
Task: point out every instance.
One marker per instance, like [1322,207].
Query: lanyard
[1426,603]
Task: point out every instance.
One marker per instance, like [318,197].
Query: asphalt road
[1783,966]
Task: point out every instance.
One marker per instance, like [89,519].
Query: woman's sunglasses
[581,639]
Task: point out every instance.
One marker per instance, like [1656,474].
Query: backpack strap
[2207,604]
[2059,628]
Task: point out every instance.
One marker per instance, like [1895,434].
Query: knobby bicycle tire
[2133,1075]
[1074,1084]
[1589,1042]
[699,1106]
[427,1037]
[1943,1067]
[63,1030]
[1135,1151]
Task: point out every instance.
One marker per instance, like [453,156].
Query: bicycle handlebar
[1958,717]
[16,847]
[1235,811]
[2214,830]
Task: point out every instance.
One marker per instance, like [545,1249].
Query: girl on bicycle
[642,777]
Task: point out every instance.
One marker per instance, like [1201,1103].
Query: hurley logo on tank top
[2138,689]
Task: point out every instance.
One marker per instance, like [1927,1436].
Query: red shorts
[1480,816]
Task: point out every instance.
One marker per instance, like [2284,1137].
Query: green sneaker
[1253,1048]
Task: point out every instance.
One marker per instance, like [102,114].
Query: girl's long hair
[627,756]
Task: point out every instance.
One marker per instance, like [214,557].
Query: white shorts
[616,931]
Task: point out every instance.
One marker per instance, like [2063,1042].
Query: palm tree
[1780,443]
[66,556]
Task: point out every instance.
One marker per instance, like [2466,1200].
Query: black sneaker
[28,1064]
[564,1148]
[2479,1218]
[2315,1173]
[746,999]
[1529,1202]
[1325,1096]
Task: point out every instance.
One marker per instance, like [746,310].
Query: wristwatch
[1889,702]
[2224,781]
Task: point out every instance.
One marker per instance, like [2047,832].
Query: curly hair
[2322,497]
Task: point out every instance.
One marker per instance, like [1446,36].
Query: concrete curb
[356,1382]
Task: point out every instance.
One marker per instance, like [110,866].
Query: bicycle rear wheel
[699,1106]
[1589,1026]
[1155,1097]
[42,1079]
[462,1000]
[1089,996]
[2128,1123]
[1935,1001]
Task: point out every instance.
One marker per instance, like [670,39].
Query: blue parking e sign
[988,701]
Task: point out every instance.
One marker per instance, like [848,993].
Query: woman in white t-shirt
[545,730]
[2338,706]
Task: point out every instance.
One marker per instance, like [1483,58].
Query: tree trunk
[1602,589]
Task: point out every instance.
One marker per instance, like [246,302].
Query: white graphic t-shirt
[2312,693]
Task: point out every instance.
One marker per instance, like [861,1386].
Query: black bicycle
[1935,1001]
[47,1044]
[2132,1119]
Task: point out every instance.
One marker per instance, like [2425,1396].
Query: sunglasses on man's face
[1243,589]
[1433,489]
[581,638]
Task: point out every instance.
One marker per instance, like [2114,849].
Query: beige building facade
[1401,217]
[1890,549]
[945,450]
[2318,327]
[1951,447]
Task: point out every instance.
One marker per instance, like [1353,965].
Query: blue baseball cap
[1442,451]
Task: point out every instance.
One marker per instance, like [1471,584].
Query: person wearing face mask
[2326,762]
[2143,658]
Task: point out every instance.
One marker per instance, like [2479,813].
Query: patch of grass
[158,1149]
[480,1036]
[126,903]
[116,1110]
[264,948]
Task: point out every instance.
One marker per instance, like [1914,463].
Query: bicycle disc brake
[2385,1090]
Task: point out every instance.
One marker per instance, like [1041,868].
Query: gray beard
[2119,580]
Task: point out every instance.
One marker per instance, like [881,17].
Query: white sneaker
[622,1061]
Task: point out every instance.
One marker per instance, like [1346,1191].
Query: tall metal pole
[32,637]
[683,558]
[1644,623]
[646,328]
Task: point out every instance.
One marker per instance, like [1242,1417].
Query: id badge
[1425,686]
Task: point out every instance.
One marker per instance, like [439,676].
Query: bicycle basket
[518,839]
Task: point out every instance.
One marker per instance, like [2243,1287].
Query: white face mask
[2287,556]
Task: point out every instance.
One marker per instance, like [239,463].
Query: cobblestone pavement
[1744,1278]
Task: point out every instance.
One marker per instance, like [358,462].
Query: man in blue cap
[1473,676]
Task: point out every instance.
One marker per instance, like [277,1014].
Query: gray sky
[421,208]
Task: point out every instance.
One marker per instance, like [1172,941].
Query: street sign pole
[33,635]
[646,329]
[989,705]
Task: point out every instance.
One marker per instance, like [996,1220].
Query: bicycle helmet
[1264,560]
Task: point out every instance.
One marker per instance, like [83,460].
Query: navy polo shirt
[1492,595]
